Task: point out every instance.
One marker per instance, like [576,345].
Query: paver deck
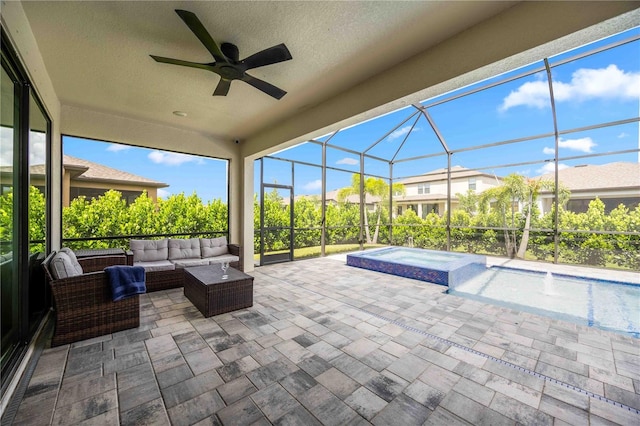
[329,344]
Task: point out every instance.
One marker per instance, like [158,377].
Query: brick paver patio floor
[329,344]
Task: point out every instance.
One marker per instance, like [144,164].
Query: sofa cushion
[70,253]
[214,246]
[62,266]
[156,265]
[223,258]
[185,263]
[184,249]
[149,250]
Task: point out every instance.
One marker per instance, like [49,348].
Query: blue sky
[600,88]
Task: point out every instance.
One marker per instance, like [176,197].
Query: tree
[468,202]
[378,189]
[517,190]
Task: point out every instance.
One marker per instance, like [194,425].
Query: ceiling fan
[227,64]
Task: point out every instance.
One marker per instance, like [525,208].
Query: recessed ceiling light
[180,113]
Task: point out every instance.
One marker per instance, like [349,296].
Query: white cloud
[6,146]
[163,193]
[313,185]
[37,147]
[550,168]
[116,147]
[549,151]
[400,132]
[623,135]
[172,158]
[601,83]
[532,93]
[347,160]
[582,145]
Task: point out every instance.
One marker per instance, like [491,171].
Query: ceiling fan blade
[180,62]
[222,88]
[203,35]
[267,88]
[269,56]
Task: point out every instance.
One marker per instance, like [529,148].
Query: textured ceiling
[97,54]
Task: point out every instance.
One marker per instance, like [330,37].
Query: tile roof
[619,175]
[441,174]
[90,171]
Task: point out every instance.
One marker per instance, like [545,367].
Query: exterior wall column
[66,188]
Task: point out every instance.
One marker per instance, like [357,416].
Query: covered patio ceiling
[351,60]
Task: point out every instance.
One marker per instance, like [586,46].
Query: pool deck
[329,344]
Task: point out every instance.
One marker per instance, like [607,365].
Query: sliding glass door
[24,211]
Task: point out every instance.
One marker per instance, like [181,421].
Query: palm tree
[515,190]
[378,189]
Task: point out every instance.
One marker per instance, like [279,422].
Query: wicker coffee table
[205,288]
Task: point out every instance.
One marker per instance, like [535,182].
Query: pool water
[609,305]
[415,257]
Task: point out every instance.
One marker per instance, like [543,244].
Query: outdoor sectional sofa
[164,260]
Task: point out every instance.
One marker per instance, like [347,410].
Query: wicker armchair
[83,304]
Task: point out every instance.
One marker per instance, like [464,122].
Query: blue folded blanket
[126,281]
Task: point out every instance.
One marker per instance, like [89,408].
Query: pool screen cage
[480,169]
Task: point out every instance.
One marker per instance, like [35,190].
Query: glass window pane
[38,139]
[8,240]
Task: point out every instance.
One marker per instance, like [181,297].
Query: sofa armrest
[234,249]
[129,255]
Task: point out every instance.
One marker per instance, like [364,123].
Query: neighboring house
[82,177]
[613,183]
[427,193]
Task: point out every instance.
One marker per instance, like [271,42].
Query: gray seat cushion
[156,265]
[223,258]
[185,263]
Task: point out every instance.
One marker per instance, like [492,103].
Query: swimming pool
[444,268]
[609,305]
[606,304]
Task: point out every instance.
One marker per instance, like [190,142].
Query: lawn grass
[302,253]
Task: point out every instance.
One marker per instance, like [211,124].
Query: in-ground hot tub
[439,267]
